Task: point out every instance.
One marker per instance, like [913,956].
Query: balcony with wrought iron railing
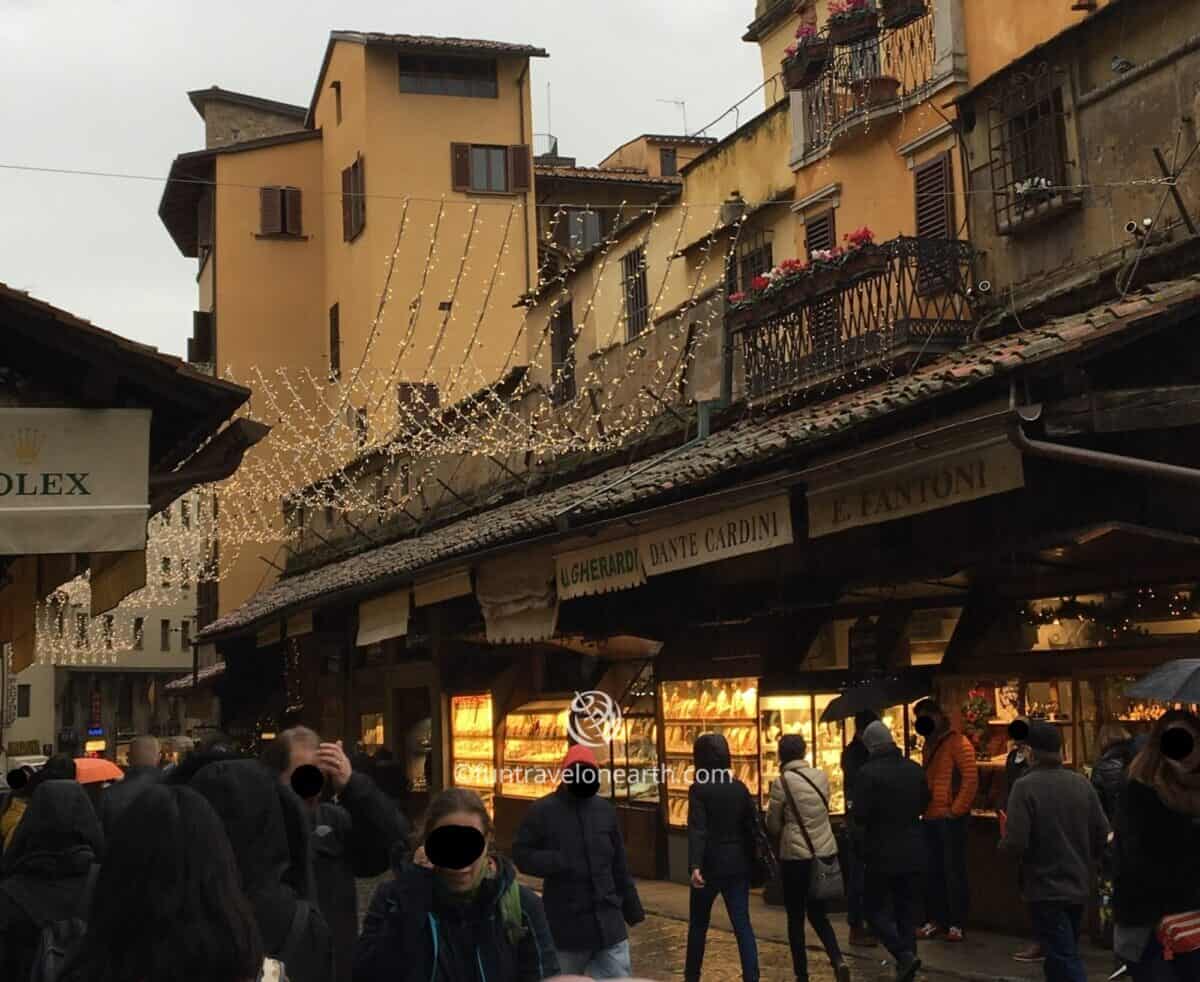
[883,308]
[847,81]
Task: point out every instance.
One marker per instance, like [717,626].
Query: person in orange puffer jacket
[953,779]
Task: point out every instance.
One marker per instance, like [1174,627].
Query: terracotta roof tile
[752,442]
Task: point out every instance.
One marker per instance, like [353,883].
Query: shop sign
[599,569]
[950,479]
[73,480]
[751,528]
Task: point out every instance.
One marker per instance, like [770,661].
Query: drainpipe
[1092,458]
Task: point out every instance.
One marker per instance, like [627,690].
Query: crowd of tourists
[224,869]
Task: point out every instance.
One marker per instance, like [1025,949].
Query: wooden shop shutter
[460,166]
[934,185]
[293,224]
[518,168]
[270,211]
[820,232]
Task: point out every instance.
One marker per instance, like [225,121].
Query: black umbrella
[1176,681]
[874,695]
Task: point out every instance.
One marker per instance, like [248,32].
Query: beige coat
[781,818]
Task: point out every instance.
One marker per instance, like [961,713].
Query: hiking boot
[862,937]
[1031,954]
[955,934]
[930,930]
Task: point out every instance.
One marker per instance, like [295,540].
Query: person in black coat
[269,833]
[570,839]
[44,874]
[353,834]
[721,827]
[1117,750]
[853,758]
[468,920]
[890,796]
[142,772]
[1157,840]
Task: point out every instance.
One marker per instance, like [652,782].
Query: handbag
[764,866]
[825,881]
[1179,934]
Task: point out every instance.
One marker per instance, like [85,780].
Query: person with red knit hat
[571,839]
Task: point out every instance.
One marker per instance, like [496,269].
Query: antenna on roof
[682,104]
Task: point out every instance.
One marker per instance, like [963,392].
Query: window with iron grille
[820,232]
[637,302]
[562,355]
[473,78]
[1029,152]
[754,258]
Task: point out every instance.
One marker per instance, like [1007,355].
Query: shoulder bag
[764,866]
[825,882]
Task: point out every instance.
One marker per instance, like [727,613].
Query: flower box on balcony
[853,22]
[864,261]
[897,13]
[875,91]
[805,66]
[824,277]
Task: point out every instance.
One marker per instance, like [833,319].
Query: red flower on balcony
[806,31]
[737,297]
[840,8]
[860,237]
[789,51]
[759,283]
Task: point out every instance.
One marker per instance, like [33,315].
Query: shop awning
[383,617]
[442,588]
[518,599]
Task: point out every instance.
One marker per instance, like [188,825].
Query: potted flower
[806,58]
[897,13]
[825,273]
[862,257]
[851,21]
[976,712]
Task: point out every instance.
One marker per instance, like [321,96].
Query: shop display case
[472,746]
[725,706]
[535,742]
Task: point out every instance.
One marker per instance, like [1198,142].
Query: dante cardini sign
[73,480]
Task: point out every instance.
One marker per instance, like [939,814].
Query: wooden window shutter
[270,211]
[347,199]
[820,232]
[934,185]
[335,343]
[293,223]
[360,194]
[460,166]
[519,177]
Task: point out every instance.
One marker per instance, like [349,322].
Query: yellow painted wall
[270,296]
[771,49]
[997,33]
[643,154]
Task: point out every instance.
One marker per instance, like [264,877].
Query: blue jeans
[855,884]
[736,894]
[1056,928]
[604,963]
[898,933]
[946,892]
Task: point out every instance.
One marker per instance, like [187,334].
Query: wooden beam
[1121,410]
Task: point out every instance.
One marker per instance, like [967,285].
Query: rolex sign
[73,480]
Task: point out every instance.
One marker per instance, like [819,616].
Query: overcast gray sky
[100,85]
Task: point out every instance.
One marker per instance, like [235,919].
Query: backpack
[59,939]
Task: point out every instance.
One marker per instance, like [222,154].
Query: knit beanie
[877,738]
[1044,737]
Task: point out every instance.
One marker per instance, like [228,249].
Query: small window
[279,211]
[354,200]
[60,626]
[562,356]
[579,229]
[23,701]
[337,100]
[185,574]
[335,344]
[637,302]
[164,637]
[754,258]
[473,78]
[820,232]
[490,170]
[81,630]
[166,572]
[185,514]
[185,633]
[139,633]
[668,162]
[108,632]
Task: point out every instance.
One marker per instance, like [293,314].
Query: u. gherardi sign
[73,480]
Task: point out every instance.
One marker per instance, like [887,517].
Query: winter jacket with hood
[722,816]
[574,844]
[44,872]
[889,797]
[115,799]
[781,818]
[414,934]
[269,833]
[351,838]
[1157,865]
[1110,774]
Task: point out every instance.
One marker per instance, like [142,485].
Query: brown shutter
[460,166]
[518,169]
[270,211]
[819,232]
[360,191]
[347,199]
[934,185]
[200,345]
[293,223]
[335,343]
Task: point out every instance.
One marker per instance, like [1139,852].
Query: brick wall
[226,123]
